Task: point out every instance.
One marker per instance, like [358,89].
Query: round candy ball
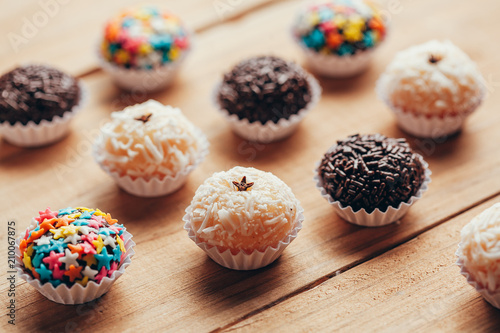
[479,248]
[243,209]
[72,246]
[35,93]
[149,140]
[144,38]
[339,27]
[265,88]
[371,172]
[433,79]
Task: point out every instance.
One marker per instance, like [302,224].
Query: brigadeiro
[338,37]
[142,48]
[265,98]
[149,149]
[243,218]
[431,88]
[479,252]
[73,255]
[36,105]
[372,180]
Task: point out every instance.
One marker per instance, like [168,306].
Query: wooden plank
[34,30]
[415,287]
[170,281]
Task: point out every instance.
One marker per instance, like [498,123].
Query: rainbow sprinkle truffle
[72,245]
[144,38]
[340,27]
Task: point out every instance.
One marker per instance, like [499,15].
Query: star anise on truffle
[433,58]
[243,185]
[144,118]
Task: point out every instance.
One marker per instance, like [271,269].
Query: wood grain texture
[171,284]
[415,287]
[66,33]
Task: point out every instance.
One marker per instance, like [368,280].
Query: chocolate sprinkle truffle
[265,88]
[36,92]
[371,171]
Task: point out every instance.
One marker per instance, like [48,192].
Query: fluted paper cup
[428,126]
[153,187]
[377,218]
[47,131]
[144,80]
[334,66]
[270,131]
[242,260]
[77,294]
[492,298]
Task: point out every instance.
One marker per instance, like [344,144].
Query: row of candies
[142,49]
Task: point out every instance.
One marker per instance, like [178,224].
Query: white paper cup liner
[142,80]
[76,294]
[243,261]
[492,298]
[377,218]
[154,187]
[423,126]
[335,66]
[270,131]
[46,132]
[429,127]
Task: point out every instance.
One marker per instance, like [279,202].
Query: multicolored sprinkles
[72,245]
[144,38]
[340,27]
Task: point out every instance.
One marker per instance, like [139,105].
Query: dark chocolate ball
[371,171]
[36,92]
[265,88]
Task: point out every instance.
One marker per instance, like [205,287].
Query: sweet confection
[479,253]
[149,141]
[372,180]
[144,38]
[243,210]
[265,89]
[340,27]
[431,87]
[72,246]
[333,32]
[36,92]
[147,41]
[37,103]
[266,93]
[371,171]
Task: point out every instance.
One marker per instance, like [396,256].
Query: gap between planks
[316,283]
[342,269]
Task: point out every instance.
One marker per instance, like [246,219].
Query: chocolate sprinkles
[371,171]
[36,92]
[264,88]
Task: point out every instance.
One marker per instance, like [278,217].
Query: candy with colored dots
[338,36]
[144,38]
[71,246]
[340,27]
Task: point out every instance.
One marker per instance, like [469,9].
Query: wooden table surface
[334,276]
